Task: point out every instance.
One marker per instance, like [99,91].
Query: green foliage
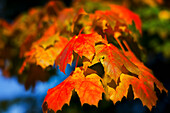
[91,6]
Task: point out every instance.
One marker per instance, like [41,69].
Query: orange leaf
[49,37]
[144,90]
[146,74]
[59,95]
[113,61]
[115,20]
[106,16]
[142,84]
[44,51]
[89,90]
[116,94]
[127,15]
[77,17]
[83,45]
[46,57]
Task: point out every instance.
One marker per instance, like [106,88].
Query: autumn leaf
[106,17]
[117,15]
[46,57]
[66,17]
[142,84]
[83,45]
[77,17]
[44,51]
[113,61]
[146,73]
[69,17]
[39,35]
[115,23]
[49,37]
[89,90]
[143,90]
[43,57]
[123,70]
[128,17]
[59,95]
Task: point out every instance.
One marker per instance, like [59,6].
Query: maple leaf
[129,16]
[46,57]
[113,61]
[83,45]
[59,95]
[116,23]
[77,17]
[89,90]
[49,37]
[123,70]
[146,73]
[107,16]
[44,51]
[43,57]
[143,90]
[69,17]
[117,15]
[66,17]
[112,24]
[142,84]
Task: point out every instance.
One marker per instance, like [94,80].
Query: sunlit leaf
[113,61]
[89,90]
[44,51]
[83,45]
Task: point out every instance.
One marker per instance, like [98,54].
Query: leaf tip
[45,107]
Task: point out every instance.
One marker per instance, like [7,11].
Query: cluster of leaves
[102,42]
[31,32]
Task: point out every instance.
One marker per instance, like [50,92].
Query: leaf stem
[77,61]
[127,46]
[121,46]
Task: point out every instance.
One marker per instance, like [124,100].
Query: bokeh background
[155,15]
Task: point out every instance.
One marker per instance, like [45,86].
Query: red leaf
[89,90]
[146,73]
[83,45]
[142,84]
[127,15]
[59,95]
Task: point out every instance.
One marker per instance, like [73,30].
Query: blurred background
[23,94]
